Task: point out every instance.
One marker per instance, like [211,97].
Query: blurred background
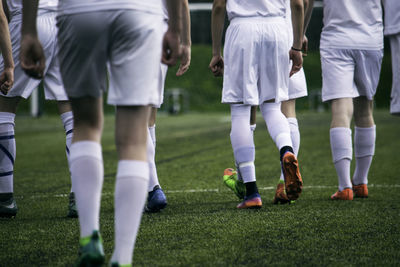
[199,91]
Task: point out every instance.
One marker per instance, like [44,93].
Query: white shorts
[23,84]
[162,75]
[127,42]
[395,95]
[256,56]
[297,85]
[349,73]
[161,84]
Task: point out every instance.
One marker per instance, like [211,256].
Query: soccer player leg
[8,207]
[341,145]
[369,65]
[233,179]
[87,174]
[86,161]
[156,199]
[279,130]
[289,110]
[133,69]
[68,123]
[244,152]
[364,144]
[132,178]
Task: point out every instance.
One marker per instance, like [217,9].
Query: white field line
[215,190]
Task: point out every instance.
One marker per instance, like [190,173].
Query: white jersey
[78,6]
[352,24]
[392,16]
[289,22]
[255,8]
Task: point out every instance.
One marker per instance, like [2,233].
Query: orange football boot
[345,194]
[280,194]
[251,202]
[293,181]
[360,190]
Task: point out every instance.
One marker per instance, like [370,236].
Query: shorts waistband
[258,19]
[42,12]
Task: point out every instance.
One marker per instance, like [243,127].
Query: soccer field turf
[200,226]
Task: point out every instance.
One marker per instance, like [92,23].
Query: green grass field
[200,226]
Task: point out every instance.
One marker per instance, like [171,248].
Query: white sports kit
[256,52]
[351,48]
[46,21]
[125,37]
[392,31]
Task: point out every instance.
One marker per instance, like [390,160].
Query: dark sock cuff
[284,150]
[6,196]
[251,188]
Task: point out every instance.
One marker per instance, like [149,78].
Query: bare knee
[63,106]
[131,131]
[88,118]
[363,112]
[342,112]
[289,108]
[153,116]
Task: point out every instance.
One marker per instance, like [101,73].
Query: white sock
[342,152]
[239,176]
[295,136]
[87,180]
[68,121]
[343,171]
[130,196]
[7,152]
[152,130]
[248,171]
[364,150]
[278,126]
[252,128]
[151,153]
[242,141]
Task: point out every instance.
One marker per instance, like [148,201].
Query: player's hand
[6,80]
[305,46]
[32,58]
[217,65]
[297,60]
[185,60]
[171,48]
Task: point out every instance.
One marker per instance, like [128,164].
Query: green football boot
[8,208]
[91,251]
[72,209]
[231,181]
